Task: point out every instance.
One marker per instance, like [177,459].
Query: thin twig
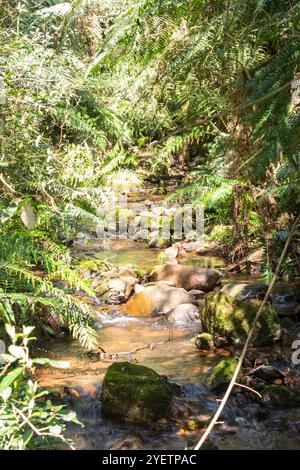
[248,388]
[116,355]
[10,188]
[37,431]
[5,369]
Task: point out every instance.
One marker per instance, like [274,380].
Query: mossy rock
[136,394]
[229,318]
[204,341]
[88,266]
[220,374]
[280,396]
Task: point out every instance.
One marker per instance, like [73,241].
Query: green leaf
[17,351]
[7,358]
[6,393]
[7,311]
[8,212]
[69,416]
[11,331]
[27,330]
[27,436]
[55,430]
[10,378]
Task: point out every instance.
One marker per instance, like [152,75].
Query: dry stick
[250,334]
[117,355]
[10,188]
[248,388]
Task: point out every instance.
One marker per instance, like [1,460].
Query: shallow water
[122,252]
[178,359]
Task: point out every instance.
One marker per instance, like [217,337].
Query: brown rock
[184,313]
[159,298]
[188,277]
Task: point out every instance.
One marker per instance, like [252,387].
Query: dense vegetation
[96,89]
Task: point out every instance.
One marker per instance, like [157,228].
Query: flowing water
[178,359]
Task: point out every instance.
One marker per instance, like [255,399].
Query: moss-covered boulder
[220,374]
[136,394]
[229,318]
[280,396]
[204,341]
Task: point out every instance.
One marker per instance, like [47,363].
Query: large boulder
[193,246]
[197,294]
[188,277]
[267,373]
[285,304]
[174,251]
[231,319]
[183,314]
[156,299]
[135,394]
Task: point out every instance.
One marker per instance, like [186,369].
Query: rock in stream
[136,394]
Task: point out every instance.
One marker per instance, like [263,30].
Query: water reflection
[179,359]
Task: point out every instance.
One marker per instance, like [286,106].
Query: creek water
[179,359]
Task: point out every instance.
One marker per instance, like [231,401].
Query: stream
[179,359]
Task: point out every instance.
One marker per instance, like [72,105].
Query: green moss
[199,423]
[221,373]
[231,319]
[223,233]
[135,393]
[89,265]
[280,396]
[204,341]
